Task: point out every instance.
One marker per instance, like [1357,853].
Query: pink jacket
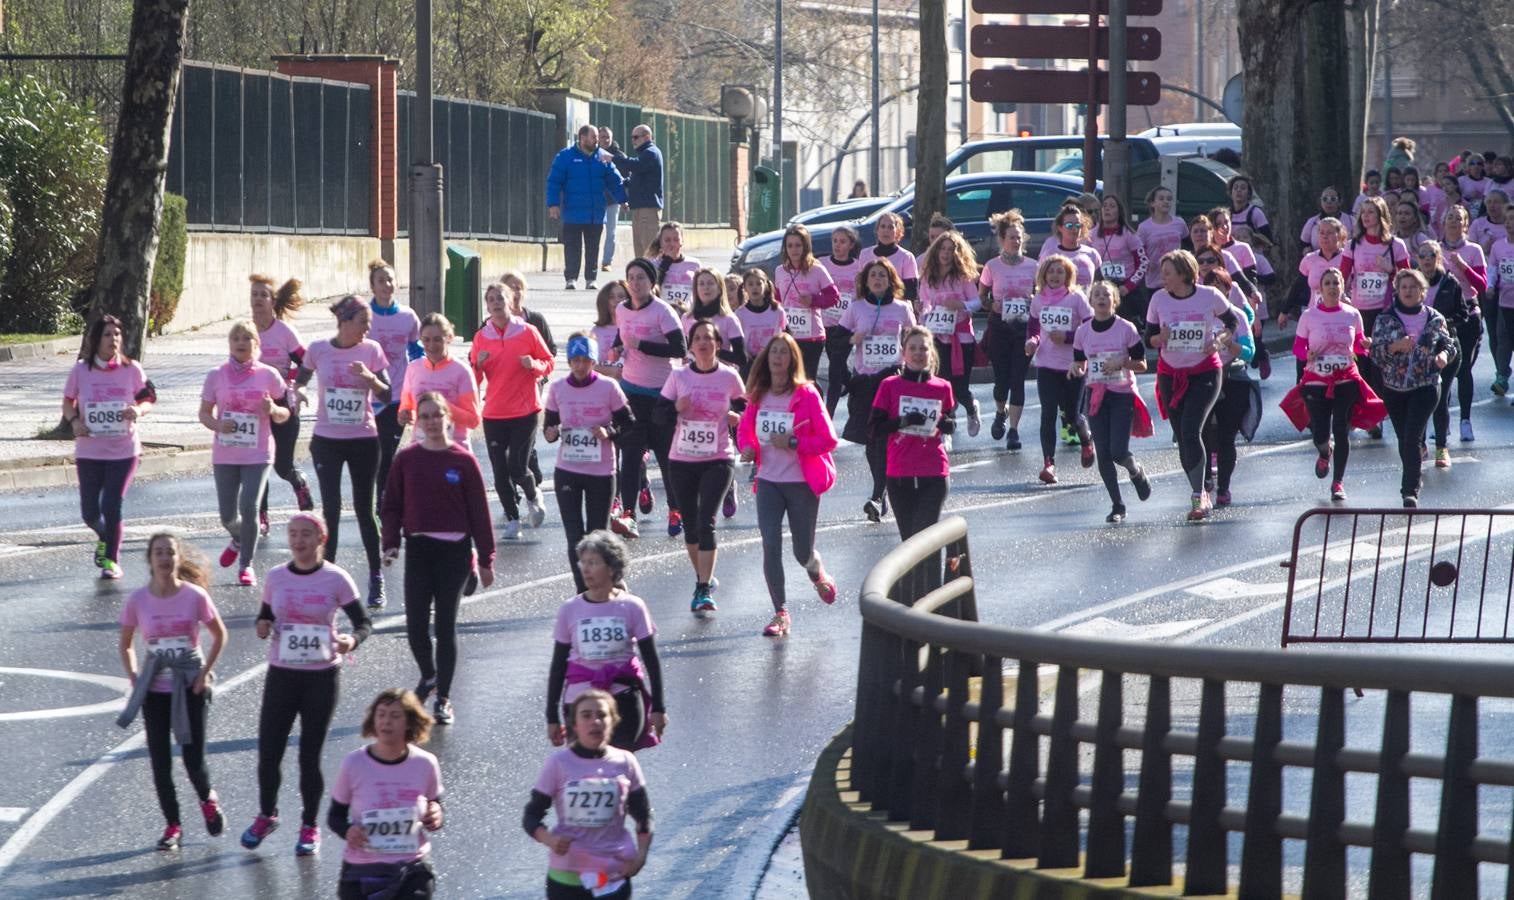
[813,428]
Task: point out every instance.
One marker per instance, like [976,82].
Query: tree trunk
[1361,33]
[138,167]
[930,122]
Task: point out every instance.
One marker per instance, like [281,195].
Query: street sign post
[1051,86]
[1058,42]
[1064,7]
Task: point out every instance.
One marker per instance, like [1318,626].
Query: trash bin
[461,294]
[763,212]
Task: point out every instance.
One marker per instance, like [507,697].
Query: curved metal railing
[936,744]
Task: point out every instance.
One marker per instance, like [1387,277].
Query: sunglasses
[1073,226]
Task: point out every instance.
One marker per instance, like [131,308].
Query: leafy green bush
[52,166]
[168,271]
[5,223]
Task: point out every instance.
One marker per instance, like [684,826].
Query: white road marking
[1155,631]
[12,814]
[1235,589]
[112,682]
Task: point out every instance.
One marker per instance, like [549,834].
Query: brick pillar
[380,74]
[741,172]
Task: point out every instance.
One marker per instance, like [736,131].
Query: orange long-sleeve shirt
[509,387]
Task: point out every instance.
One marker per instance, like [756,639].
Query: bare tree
[1463,44]
[930,121]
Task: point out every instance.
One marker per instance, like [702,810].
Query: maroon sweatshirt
[437,491]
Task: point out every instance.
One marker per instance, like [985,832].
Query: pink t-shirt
[1332,335]
[605,337]
[584,408]
[942,322]
[277,343]
[1112,345]
[395,333]
[730,329]
[779,465]
[102,396]
[796,291]
[759,327]
[1372,267]
[1123,254]
[873,321]
[1313,268]
[1011,286]
[589,796]
[650,323]
[1472,255]
[678,285]
[1474,190]
[1310,232]
[1484,232]
[913,455]
[1085,259]
[305,608]
[1060,310]
[703,431]
[451,378]
[1159,239]
[844,276]
[601,634]
[1192,322]
[389,801]
[344,409]
[1244,220]
[902,260]
[1435,202]
[239,396]
[1501,271]
[166,623]
[1414,323]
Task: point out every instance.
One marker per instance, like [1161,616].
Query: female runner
[440,372]
[803,288]
[279,345]
[1005,288]
[1056,311]
[843,265]
[912,411]
[1108,353]
[874,323]
[652,340]
[1410,345]
[948,299]
[397,329]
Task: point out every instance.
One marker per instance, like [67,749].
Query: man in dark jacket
[645,173]
[576,188]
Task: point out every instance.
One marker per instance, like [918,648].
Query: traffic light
[1026,132]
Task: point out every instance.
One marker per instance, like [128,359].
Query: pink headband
[312,519]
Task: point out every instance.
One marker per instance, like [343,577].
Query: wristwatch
[793,442]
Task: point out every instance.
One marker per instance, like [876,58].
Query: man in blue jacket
[576,187]
[645,173]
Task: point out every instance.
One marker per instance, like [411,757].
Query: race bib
[1330,363]
[345,406]
[304,643]
[590,802]
[880,351]
[1056,318]
[1371,285]
[1015,309]
[772,421]
[1506,269]
[1187,336]
[246,434]
[106,418]
[929,407]
[677,294]
[941,322]
[841,305]
[175,645]
[392,830]
[603,637]
[1113,271]
[800,320]
[1106,368]
[579,445]
[699,437]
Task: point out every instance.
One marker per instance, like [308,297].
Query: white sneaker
[974,423]
[537,513]
[512,530]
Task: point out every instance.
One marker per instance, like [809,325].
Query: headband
[578,345]
[311,518]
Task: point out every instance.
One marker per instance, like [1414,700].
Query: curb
[156,462]
[35,349]
[852,852]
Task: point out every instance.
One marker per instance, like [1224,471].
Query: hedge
[168,270]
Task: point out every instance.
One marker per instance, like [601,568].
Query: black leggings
[1006,351]
[286,435]
[962,385]
[311,696]
[646,433]
[1441,418]
[361,456]
[1188,417]
[1229,411]
[1410,412]
[583,504]
[1331,417]
[556,890]
[838,349]
[435,571]
[157,716]
[509,443]
[861,390]
[811,352]
[389,433]
[102,492]
[1110,428]
[701,486]
[917,502]
[1058,392]
[419,884]
[1364,364]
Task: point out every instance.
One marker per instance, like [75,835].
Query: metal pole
[1116,151]
[778,86]
[1382,41]
[425,180]
[874,156]
[963,86]
[1198,57]
[1091,120]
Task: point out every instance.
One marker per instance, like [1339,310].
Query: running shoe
[424,688]
[263,524]
[537,512]
[247,578]
[1442,458]
[1337,491]
[1322,462]
[1087,455]
[996,430]
[1375,432]
[302,497]
[1116,515]
[110,571]
[873,512]
[260,828]
[1201,507]
[778,626]
[230,554]
[511,530]
[702,604]
[675,523]
[215,819]
[100,557]
[1411,501]
[1048,473]
[714,585]
[644,500]
[376,590]
[1264,365]
[1069,436]
[170,838]
[625,526]
[570,286]
[1222,498]
[974,422]
[1466,430]
[728,508]
[1012,440]
[1141,483]
[309,843]
[590,286]
[1500,385]
[825,586]
[442,711]
[604,267]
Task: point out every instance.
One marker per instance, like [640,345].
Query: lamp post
[874,157]
[778,86]
[425,180]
